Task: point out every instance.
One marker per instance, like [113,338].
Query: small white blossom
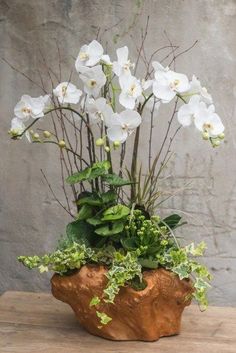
[67,93]
[120,126]
[30,107]
[98,110]
[130,90]
[168,83]
[94,79]
[196,88]
[123,65]
[89,55]
[207,120]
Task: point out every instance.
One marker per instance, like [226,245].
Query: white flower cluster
[96,71]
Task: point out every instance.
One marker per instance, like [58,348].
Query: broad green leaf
[115,180]
[129,243]
[79,232]
[85,212]
[171,221]
[148,263]
[116,212]
[110,229]
[109,196]
[95,221]
[92,200]
[80,176]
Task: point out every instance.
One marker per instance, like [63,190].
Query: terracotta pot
[143,315]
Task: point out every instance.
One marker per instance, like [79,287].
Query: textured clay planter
[143,315]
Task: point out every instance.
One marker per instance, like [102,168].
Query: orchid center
[83,56]
[64,90]
[26,110]
[207,126]
[132,90]
[174,84]
[92,83]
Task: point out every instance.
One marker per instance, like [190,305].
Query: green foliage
[90,173]
[104,318]
[116,212]
[115,180]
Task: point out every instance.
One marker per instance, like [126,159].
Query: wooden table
[38,323]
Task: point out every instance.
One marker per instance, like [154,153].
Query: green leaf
[92,200]
[109,196]
[148,263]
[80,176]
[104,318]
[94,221]
[115,180]
[79,232]
[94,301]
[110,229]
[171,221]
[89,173]
[129,243]
[85,212]
[116,212]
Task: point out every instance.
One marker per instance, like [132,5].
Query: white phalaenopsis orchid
[123,65]
[130,90]
[120,126]
[98,110]
[168,83]
[94,79]
[196,88]
[207,121]
[67,93]
[18,127]
[30,107]
[187,112]
[89,55]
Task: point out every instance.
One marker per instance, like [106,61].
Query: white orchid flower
[187,112]
[130,90]
[120,126]
[207,121]
[98,110]
[67,93]
[89,55]
[106,59]
[123,65]
[196,88]
[30,107]
[94,79]
[17,128]
[168,83]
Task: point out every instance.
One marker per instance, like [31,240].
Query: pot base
[144,315]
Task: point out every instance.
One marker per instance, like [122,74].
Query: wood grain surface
[38,323]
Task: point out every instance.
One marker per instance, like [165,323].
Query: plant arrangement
[115,203]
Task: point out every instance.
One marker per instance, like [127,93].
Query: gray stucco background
[30,219]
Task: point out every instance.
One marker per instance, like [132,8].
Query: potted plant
[120,265]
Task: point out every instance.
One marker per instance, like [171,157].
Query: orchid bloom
[17,128]
[98,109]
[120,126]
[130,90]
[168,83]
[207,121]
[67,93]
[196,88]
[187,112]
[94,79]
[30,107]
[89,55]
[122,65]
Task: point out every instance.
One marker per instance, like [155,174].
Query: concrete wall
[30,220]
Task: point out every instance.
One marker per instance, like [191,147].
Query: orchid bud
[36,136]
[47,134]
[116,144]
[62,144]
[221,136]
[31,132]
[215,143]
[205,135]
[99,142]
[107,149]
